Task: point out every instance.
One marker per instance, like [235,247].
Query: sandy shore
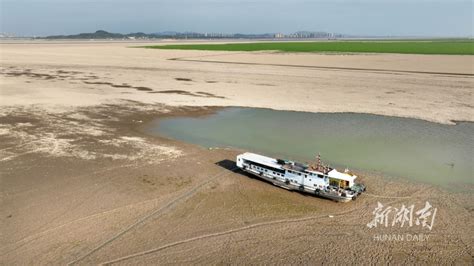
[82,183]
[95,73]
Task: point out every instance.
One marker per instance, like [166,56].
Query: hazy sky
[362,17]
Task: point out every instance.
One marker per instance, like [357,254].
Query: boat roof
[261,159]
[271,162]
[343,176]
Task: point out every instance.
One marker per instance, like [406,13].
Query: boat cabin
[341,180]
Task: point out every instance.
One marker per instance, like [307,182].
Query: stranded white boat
[316,179]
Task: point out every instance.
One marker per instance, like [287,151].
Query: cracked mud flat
[81,182]
[58,137]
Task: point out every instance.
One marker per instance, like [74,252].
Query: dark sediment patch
[183,79]
[181,92]
[123,85]
[466,105]
[143,88]
[211,81]
[187,93]
[29,74]
[210,95]
[68,72]
[58,74]
[98,83]
[62,75]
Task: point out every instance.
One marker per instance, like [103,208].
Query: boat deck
[304,168]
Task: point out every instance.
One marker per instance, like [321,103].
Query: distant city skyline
[441,18]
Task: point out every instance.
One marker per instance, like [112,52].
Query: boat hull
[292,187]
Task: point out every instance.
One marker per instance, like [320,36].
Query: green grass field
[464,47]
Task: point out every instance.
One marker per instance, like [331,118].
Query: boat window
[320,176]
[267,168]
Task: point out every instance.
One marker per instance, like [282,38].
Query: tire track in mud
[385,197]
[155,212]
[50,230]
[250,207]
[371,70]
[231,231]
[22,242]
[240,229]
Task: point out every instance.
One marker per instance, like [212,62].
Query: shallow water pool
[398,147]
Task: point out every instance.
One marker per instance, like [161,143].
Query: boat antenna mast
[319,165]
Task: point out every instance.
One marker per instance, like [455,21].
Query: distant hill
[102,34]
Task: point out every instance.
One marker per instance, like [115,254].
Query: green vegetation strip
[401,47]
